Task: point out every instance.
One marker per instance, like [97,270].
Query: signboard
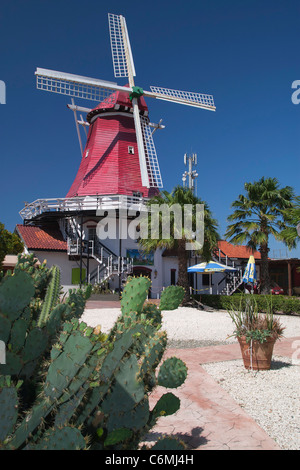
[140,259]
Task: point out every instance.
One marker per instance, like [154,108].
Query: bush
[278,303]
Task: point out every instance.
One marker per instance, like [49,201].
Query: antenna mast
[190,175]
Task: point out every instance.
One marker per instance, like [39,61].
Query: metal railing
[108,263]
[82,203]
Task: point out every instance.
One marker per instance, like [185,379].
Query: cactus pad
[134,294]
[117,436]
[8,410]
[152,313]
[36,344]
[172,373]
[15,294]
[167,405]
[62,439]
[171,298]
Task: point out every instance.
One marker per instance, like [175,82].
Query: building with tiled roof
[240,252]
[47,243]
[40,239]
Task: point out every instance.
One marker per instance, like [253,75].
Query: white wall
[59,259]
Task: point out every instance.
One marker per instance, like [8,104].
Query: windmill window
[131,150]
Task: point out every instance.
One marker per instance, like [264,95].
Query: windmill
[108,93]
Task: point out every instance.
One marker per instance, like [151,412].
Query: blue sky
[244,53]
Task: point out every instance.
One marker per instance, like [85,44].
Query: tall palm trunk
[264,275]
[183,278]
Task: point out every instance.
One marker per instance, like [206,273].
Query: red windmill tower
[110,161]
[119,156]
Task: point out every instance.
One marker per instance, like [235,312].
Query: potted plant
[256,333]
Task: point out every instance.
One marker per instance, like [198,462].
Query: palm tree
[291,234]
[179,236]
[259,214]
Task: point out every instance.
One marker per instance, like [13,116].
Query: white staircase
[233,281]
[108,263]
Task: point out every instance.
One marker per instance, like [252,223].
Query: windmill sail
[76,86]
[155,180]
[120,46]
[189,98]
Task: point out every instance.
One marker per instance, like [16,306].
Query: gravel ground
[189,327]
[270,397]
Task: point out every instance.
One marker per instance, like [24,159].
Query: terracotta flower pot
[256,355]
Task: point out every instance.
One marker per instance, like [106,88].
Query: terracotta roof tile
[46,238]
[236,251]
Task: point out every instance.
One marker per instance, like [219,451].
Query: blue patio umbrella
[250,271]
[209,268]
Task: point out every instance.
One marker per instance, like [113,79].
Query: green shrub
[279,303]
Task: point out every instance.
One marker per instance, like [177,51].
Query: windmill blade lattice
[155,179]
[189,98]
[75,86]
[120,46]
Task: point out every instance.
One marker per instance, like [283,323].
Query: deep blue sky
[245,53]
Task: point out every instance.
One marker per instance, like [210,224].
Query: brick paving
[209,418]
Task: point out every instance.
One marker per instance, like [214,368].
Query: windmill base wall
[159,272]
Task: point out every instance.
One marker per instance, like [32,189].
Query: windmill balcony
[83,203]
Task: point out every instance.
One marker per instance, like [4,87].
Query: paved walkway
[209,418]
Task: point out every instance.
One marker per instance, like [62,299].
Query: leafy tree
[292,215]
[10,243]
[179,235]
[259,214]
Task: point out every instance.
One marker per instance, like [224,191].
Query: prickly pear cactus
[134,294]
[15,294]
[79,388]
[172,373]
[8,407]
[171,298]
[38,271]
